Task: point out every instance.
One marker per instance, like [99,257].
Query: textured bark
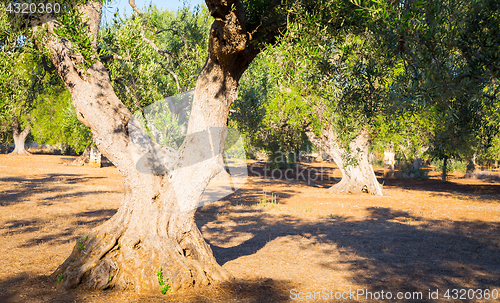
[154,227]
[358,175]
[20,140]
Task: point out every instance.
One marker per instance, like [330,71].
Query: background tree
[330,87]
[55,121]
[450,51]
[19,77]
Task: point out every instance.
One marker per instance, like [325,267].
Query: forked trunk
[20,140]
[357,173]
[154,230]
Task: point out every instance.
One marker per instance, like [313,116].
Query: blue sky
[123,5]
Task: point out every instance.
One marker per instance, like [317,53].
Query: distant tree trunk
[389,162]
[417,158]
[154,228]
[445,168]
[357,174]
[471,166]
[91,156]
[20,139]
[95,157]
[84,158]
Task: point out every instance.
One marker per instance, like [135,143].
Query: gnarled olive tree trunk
[357,173]
[20,139]
[154,228]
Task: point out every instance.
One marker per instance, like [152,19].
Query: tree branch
[163,53]
[134,7]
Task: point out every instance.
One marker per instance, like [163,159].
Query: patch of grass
[165,284]
[308,206]
[60,277]
[273,200]
[332,216]
[81,241]
[451,166]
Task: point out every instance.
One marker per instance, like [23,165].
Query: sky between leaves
[124,7]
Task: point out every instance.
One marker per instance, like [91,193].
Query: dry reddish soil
[423,234]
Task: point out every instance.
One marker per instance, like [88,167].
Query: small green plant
[110,279]
[273,201]
[308,206]
[60,277]
[81,241]
[165,284]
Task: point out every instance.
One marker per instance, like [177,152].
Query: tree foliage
[140,74]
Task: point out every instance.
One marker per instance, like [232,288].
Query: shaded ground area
[421,235]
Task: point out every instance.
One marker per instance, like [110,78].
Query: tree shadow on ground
[389,250]
[446,188]
[322,176]
[308,174]
[21,189]
[42,231]
[254,196]
[24,288]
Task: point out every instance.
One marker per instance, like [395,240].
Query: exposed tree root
[131,258]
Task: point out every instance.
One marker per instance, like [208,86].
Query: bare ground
[421,235]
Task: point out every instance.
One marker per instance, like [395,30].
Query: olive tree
[154,228]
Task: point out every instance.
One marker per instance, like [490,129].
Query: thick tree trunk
[357,174]
[20,140]
[154,228]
